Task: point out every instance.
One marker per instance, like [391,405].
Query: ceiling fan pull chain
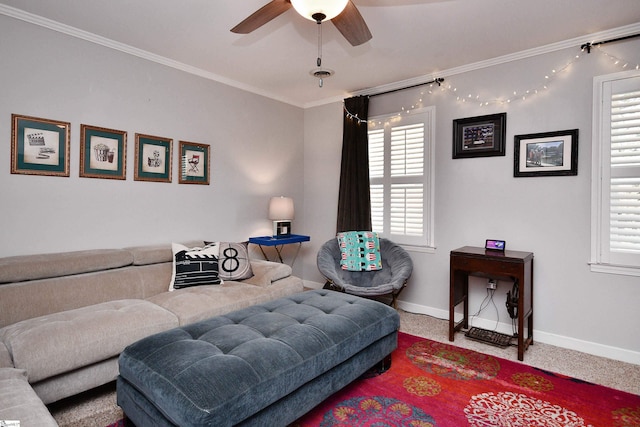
[319,60]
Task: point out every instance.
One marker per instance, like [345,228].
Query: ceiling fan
[343,13]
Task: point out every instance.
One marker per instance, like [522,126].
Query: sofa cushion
[202,302]
[26,300]
[61,342]
[32,267]
[155,254]
[5,357]
[19,402]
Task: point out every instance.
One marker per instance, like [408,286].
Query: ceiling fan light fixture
[321,74]
[329,8]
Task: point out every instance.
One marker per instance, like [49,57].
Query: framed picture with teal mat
[103,152]
[194,163]
[153,158]
[39,146]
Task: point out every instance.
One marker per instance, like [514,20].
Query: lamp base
[281,229]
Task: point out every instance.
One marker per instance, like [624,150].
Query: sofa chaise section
[20,402]
[47,347]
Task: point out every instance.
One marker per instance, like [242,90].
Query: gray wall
[256,148]
[479,198]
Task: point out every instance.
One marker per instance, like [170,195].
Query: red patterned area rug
[432,384]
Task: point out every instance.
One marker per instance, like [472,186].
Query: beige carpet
[98,408]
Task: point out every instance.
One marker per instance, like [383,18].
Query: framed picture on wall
[39,146]
[480,136]
[194,163]
[103,152]
[546,154]
[153,158]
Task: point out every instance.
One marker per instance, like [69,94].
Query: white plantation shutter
[407,209]
[376,173]
[625,215]
[376,153]
[625,172]
[407,150]
[377,207]
[400,174]
[618,167]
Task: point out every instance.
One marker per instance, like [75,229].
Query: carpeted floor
[98,408]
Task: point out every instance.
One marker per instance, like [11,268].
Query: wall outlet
[492,284]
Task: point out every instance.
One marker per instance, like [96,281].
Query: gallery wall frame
[153,158]
[39,146]
[194,163]
[480,136]
[103,152]
[546,154]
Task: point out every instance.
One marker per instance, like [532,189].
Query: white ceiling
[411,38]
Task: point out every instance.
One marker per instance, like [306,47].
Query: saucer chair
[380,284]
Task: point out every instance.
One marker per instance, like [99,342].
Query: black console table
[513,266]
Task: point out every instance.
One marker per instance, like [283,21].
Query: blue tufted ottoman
[264,365]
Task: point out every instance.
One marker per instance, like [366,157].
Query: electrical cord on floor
[484,304]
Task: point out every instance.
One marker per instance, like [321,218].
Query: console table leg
[263,253]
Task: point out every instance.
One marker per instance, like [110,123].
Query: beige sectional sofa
[65,317]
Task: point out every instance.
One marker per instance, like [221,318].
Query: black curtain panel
[354,202]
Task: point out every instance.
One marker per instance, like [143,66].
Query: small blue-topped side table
[278,244]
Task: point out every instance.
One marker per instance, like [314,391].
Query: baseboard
[588,347]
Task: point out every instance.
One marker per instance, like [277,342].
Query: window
[616,174]
[401,176]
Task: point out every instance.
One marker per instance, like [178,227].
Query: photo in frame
[194,163]
[153,158]
[103,152]
[480,136]
[39,146]
[546,154]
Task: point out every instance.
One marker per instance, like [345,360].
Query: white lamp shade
[281,208]
[330,8]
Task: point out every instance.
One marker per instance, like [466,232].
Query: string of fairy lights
[439,85]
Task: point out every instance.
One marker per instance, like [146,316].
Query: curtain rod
[439,80]
[589,45]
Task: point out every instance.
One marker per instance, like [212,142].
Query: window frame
[602,259]
[427,116]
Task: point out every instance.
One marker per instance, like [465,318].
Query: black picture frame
[546,154]
[480,136]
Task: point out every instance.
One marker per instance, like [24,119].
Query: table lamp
[281,212]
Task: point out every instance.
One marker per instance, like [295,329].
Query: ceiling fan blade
[352,26]
[263,15]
